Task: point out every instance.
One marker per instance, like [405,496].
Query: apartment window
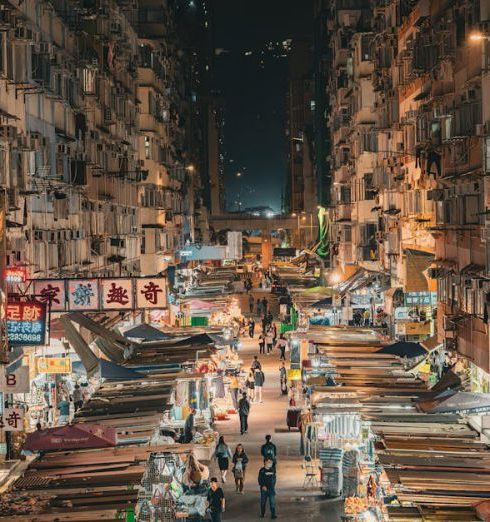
[88,80]
[147,148]
[470,208]
[366,48]
[369,190]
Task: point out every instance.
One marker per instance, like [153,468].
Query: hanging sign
[151,292]
[12,419]
[26,323]
[15,274]
[83,294]
[52,293]
[117,294]
[54,365]
[15,382]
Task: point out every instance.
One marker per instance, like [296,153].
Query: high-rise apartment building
[408,120]
[95,112]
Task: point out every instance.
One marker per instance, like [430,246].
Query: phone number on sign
[25,337]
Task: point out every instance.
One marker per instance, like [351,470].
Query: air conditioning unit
[485,233]
[480,129]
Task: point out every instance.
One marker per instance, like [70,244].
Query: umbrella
[147,332]
[404,349]
[463,402]
[76,436]
[110,370]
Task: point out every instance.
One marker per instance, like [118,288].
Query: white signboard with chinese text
[12,419]
[117,294]
[52,293]
[83,294]
[15,382]
[151,292]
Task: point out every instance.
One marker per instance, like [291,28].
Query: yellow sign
[54,365]
[294,375]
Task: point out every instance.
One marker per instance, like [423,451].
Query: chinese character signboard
[15,382]
[117,294]
[54,365]
[26,323]
[52,293]
[151,292]
[15,274]
[12,419]
[421,298]
[83,294]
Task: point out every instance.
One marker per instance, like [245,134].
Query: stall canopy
[322,303]
[463,402]
[79,436]
[147,332]
[114,372]
[448,381]
[194,340]
[404,349]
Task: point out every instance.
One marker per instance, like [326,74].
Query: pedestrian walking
[283,379]
[240,461]
[188,434]
[267,483]
[222,454]
[270,318]
[256,364]
[64,409]
[234,387]
[259,307]
[215,500]
[262,343]
[274,332]
[251,302]
[244,411]
[281,345]
[77,397]
[265,304]
[259,383]
[251,328]
[269,341]
[250,383]
[269,450]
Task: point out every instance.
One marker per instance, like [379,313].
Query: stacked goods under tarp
[85,485]
[436,467]
[331,471]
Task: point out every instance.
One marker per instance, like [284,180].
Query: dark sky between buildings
[254,88]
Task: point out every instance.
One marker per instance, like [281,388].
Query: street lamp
[479,37]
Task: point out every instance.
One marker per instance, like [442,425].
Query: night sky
[255,94]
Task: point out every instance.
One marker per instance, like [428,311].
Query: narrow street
[270,418]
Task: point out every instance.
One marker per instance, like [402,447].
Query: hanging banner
[83,294]
[151,292]
[26,323]
[51,292]
[12,419]
[54,365]
[15,382]
[117,294]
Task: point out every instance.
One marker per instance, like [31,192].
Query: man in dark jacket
[259,378]
[243,411]
[269,450]
[267,483]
